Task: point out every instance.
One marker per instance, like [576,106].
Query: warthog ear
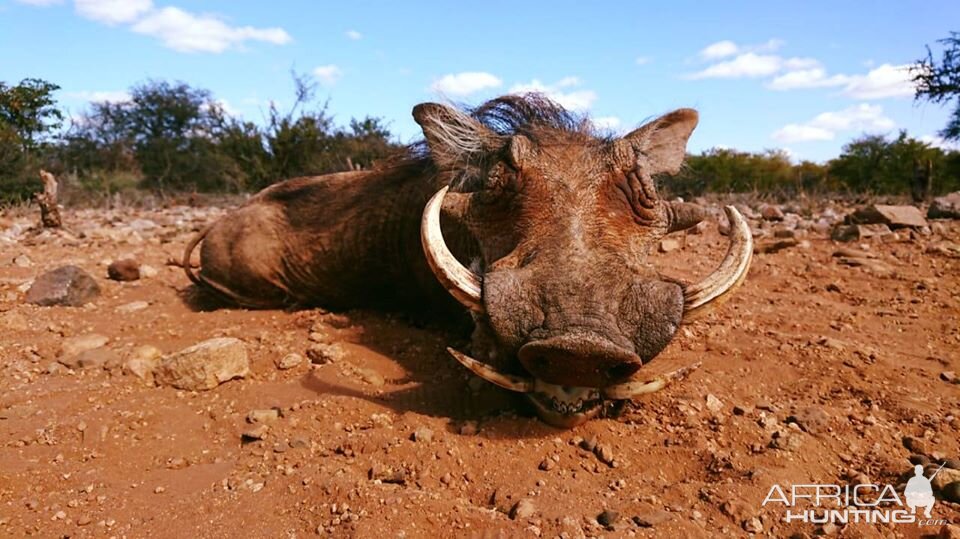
[454,137]
[661,145]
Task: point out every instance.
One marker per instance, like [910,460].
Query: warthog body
[544,238]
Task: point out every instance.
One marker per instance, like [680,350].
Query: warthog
[537,225]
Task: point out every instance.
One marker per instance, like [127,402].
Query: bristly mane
[528,115]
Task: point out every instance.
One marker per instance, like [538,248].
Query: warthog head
[567,305]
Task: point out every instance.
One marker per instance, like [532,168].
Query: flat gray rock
[65,286]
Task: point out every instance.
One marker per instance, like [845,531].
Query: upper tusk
[488,373]
[635,388]
[719,285]
[463,284]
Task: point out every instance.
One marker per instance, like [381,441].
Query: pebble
[268,415]
[75,345]
[714,404]
[668,245]
[523,509]
[422,434]
[289,361]
[468,428]
[608,518]
[650,519]
[915,445]
[604,453]
[371,377]
[124,270]
[205,365]
[98,357]
[132,307]
[65,286]
[253,434]
[22,261]
[148,272]
[753,525]
[771,213]
[547,464]
[142,361]
[949,377]
[812,419]
[322,353]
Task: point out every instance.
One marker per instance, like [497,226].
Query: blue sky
[803,76]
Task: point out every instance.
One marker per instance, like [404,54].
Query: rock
[944,478]
[846,252]
[547,464]
[422,434]
[949,531]
[873,266]
[784,233]
[829,529]
[604,454]
[752,525]
[289,361]
[124,270]
[322,353]
[771,213]
[944,248]
[951,492]
[142,361]
[859,232]
[651,519]
[205,365]
[523,509]
[468,428]
[915,445]
[953,464]
[386,474]
[148,272]
[98,357]
[22,261]
[945,207]
[66,286]
[254,434]
[949,376]
[268,415]
[132,307]
[75,345]
[922,460]
[371,377]
[608,518]
[892,216]
[668,245]
[714,404]
[772,246]
[812,419]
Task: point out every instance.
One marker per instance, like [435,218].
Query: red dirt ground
[814,373]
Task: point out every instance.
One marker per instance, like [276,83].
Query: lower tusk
[635,388]
[719,285]
[507,381]
[463,284]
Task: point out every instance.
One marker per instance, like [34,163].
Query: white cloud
[720,49]
[40,3]
[607,122]
[807,78]
[354,35]
[938,142]
[109,96]
[113,11]
[572,100]
[328,75]
[643,60]
[824,126]
[883,81]
[464,84]
[749,65]
[187,32]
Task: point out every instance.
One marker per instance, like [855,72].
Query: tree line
[171,137]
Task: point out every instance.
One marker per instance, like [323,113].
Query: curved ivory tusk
[635,388]
[507,381]
[719,285]
[463,284]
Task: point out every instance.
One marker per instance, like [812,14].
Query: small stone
[523,509]
[922,460]
[263,416]
[59,515]
[159,490]
[859,232]
[949,376]
[289,361]
[892,216]
[829,529]
[608,518]
[124,270]
[604,453]
[547,464]
[75,345]
[254,434]
[651,519]
[371,377]
[668,245]
[98,357]
[951,492]
[22,261]
[953,464]
[915,445]
[84,520]
[588,444]
[322,353]
[769,247]
[386,474]
[147,272]
[422,434]
[65,286]
[945,207]
[204,365]
[142,361]
[468,428]
[132,307]
[753,525]
[714,404]
[771,213]
[812,419]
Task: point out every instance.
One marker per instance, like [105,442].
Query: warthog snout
[575,359]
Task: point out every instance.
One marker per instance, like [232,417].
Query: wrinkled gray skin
[557,221]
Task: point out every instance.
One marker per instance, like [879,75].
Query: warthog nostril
[578,360]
